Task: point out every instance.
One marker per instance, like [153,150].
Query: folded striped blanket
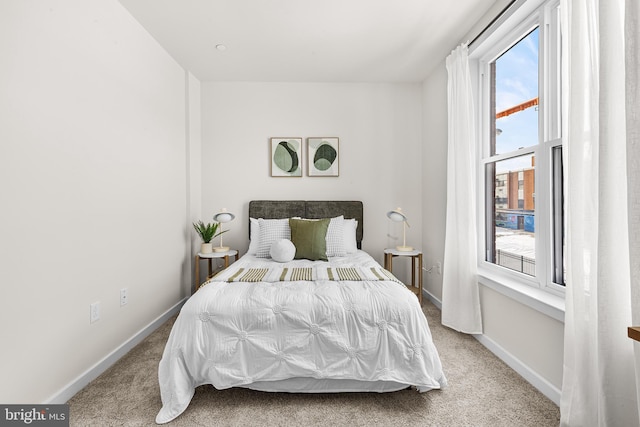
[285,274]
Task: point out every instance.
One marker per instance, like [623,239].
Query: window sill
[535,298]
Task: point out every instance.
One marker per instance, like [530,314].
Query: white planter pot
[206,248]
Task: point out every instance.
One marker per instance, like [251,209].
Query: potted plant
[207,232]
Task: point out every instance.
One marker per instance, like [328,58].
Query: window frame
[519,21]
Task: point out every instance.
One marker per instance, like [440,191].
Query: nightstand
[415,255]
[209,257]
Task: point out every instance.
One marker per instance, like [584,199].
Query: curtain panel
[632,105]
[601,207]
[460,293]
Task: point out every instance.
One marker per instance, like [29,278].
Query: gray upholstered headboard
[277,209]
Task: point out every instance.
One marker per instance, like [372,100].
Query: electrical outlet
[439,267]
[123,297]
[94,312]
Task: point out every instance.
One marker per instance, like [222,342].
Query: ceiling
[308,40]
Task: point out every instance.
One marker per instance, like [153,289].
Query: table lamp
[398,216]
[222,217]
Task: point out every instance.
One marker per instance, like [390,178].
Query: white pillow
[270,231]
[283,250]
[350,243]
[254,241]
[335,237]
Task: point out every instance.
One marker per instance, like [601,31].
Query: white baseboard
[543,386]
[92,373]
[432,298]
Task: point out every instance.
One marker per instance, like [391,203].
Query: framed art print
[286,156]
[323,156]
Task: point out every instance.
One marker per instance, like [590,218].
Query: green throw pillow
[309,237]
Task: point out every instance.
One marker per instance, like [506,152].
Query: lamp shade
[397,215]
[224,216]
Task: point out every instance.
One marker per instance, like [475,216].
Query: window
[521,204]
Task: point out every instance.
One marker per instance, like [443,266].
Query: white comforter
[367,332]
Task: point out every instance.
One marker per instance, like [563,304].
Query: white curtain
[460,294]
[601,206]
[632,91]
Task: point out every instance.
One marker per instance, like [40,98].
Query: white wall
[379,126]
[93,184]
[194,166]
[529,336]
[434,175]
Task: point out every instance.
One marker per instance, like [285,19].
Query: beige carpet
[482,391]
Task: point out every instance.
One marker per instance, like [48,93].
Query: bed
[329,322]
